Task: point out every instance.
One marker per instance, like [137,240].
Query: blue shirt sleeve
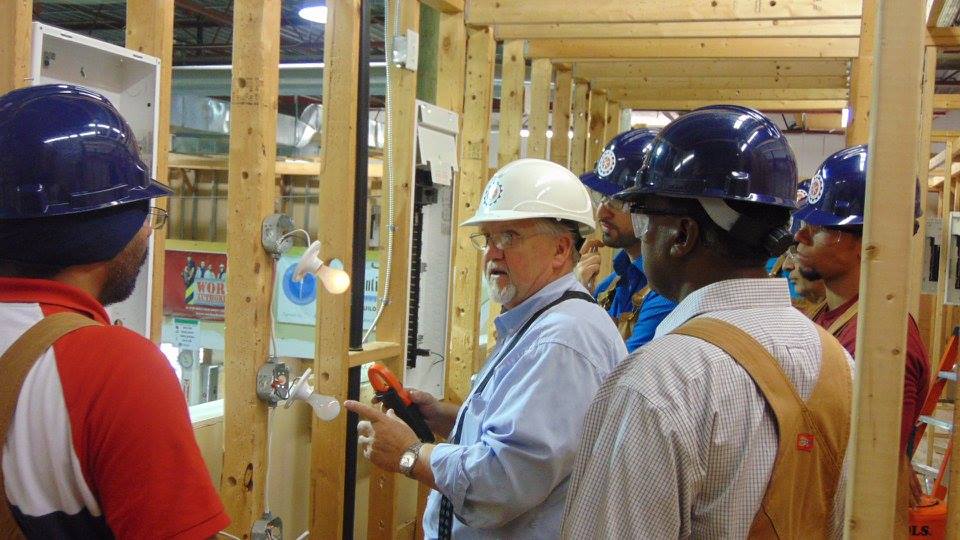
[530,431]
[655,308]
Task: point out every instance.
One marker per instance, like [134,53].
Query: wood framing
[768,105]
[150,31]
[253,128]
[946,101]
[579,115]
[720,83]
[560,143]
[887,231]
[612,123]
[491,12]
[15,31]
[923,163]
[861,78]
[708,68]
[334,214]
[794,28]
[575,49]
[513,73]
[596,127]
[445,6]
[383,515]
[725,94]
[944,37]
[541,78]
[465,268]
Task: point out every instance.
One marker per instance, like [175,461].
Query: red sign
[195,284]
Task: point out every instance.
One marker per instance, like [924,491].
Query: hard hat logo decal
[492,194]
[606,164]
[816,189]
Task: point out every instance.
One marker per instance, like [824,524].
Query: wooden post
[597,127]
[581,107]
[946,205]
[253,150]
[511,102]
[150,31]
[383,515]
[861,77]
[334,214]
[15,31]
[560,143]
[540,78]
[887,232]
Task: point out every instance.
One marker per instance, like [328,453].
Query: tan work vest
[813,435]
[628,319]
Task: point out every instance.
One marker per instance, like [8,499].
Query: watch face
[406,461]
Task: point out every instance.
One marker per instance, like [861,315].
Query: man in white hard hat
[505,469]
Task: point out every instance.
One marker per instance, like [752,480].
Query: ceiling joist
[727,95]
[708,68]
[495,12]
[614,82]
[576,49]
[801,28]
[760,105]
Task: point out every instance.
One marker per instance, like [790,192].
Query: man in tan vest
[733,421]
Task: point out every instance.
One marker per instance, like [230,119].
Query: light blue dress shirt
[508,478]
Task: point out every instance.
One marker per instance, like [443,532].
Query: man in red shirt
[829,249]
[100,443]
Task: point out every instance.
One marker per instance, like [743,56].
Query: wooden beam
[383,516]
[946,101]
[513,71]
[716,83]
[374,351]
[795,28]
[888,228]
[445,6]
[770,105]
[334,214]
[861,78]
[493,12]
[150,31]
[15,32]
[596,127]
[451,62]
[722,95]
[580,112]
[711,68]
[944,37]
[627,49]
[537,122]
[560,143]
[474,159]
[936,8]
[253,129]
[612,123]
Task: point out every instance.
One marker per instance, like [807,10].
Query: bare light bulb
[336,281]
[325,407]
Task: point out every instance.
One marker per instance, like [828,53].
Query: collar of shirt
[626,268]
[43,291]
[729,294]
[510,320]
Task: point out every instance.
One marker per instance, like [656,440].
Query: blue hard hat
[838,191]
[723,152]
[619,162]
[65,149]
[803,191]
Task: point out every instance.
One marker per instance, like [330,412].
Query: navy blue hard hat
[722,152]
[64,150]
[803,191]
[619,162]
[838,191]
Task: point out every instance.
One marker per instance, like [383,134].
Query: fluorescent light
[317,14]
[524,133]
[549,133]
[844,117]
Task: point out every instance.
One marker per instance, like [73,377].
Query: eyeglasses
[598,199]
[156,217]
[831,236]
[640,208]
[501,241]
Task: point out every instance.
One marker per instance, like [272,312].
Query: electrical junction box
[952,286]
[406,50]
[130,80]
[930,278]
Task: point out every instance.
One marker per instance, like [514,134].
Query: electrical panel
[952,290]
[930,278]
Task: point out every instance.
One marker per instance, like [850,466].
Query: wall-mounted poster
[195,284]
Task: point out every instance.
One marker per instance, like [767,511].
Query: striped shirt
[679,441]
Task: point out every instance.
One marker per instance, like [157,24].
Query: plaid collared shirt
[679,442]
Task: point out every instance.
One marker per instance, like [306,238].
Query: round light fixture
[314,13]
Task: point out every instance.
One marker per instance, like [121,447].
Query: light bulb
[335,281]
[325,407]
[317,14]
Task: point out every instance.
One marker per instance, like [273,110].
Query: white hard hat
[535,188]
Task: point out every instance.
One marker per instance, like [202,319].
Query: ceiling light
[314,12]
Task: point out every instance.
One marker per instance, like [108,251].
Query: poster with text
[195,284]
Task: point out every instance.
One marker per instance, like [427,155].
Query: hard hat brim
[814,216]
[514,215]
[594,182]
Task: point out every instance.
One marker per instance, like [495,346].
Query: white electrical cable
[305,534]
[228,535]
[388,150]
[266,480]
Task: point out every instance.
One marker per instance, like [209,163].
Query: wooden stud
[724,95]
[946,101]
[795,28]
[597,124]
[15,45]
[540,79]
[451,62]
[861,78]
[150,31]
[923,160]
[581,108]
[720,83]
[511,102]
[560,143]
[943,37]
[576,49]
[491,12]
[466,272]
[334,214]
[383,516]
[939,334]
[445,6]
[770,105]
[709,68]
[253,128]
[888,228]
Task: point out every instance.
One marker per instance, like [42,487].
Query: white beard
[501,295]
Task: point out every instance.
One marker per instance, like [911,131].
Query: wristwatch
[409,458]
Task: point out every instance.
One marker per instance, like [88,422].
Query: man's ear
[564,251]
[686,236]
